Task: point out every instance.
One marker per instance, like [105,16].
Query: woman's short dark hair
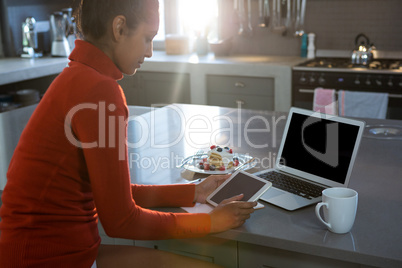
[93,16]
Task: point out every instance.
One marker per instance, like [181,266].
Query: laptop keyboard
[292,185]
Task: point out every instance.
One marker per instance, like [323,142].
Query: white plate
[193,161]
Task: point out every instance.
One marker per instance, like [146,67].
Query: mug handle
[317,212]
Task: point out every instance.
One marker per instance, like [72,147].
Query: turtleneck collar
[90,55]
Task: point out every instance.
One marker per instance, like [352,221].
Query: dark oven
[381,75]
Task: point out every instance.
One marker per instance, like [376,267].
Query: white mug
[340,206]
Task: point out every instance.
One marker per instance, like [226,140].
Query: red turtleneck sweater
[64,174]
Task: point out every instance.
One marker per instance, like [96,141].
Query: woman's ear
[119,27]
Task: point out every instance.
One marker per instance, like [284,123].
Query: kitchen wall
[14,12]
[335,23]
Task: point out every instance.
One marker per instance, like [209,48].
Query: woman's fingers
[231,213]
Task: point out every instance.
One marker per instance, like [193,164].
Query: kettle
[363,52]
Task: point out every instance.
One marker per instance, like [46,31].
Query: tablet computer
[240,182]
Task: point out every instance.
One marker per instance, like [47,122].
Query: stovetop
[345,64]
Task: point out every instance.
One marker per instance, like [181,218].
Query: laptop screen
[323,147]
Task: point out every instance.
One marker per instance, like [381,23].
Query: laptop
[317,151]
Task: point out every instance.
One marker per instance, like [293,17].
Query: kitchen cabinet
[251,255]
[156,88]
[41,84]
[211,249]
[229,253]
[239,91]
[12,123]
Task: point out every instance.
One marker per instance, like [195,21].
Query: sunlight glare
[198,16]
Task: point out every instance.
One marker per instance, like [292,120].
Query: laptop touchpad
[271,193]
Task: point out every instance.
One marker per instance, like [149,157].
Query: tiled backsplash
[336,23]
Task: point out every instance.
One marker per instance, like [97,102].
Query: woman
[63,174]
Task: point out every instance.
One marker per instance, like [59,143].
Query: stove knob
[302,79]
[312,79]
[357,81]
[390,83]
[321,80]
[378,81]
[400,83]
[368,82]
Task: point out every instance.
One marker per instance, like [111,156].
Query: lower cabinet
[156,88]
[210,249]
[229,253]
[40,84]
[256,93]
[259,256]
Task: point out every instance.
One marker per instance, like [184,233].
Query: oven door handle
[303,90]
[311,91]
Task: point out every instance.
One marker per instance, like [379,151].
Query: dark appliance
[380,75]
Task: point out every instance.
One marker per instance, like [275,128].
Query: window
[161,33]
[188,17]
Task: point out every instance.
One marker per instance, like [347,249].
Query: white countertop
[18,69]
[160,56]
[278,67]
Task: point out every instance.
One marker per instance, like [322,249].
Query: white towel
[363,104]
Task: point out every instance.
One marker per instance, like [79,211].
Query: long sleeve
[114,196]
[149,196]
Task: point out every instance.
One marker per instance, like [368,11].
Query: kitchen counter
[177,131]
[160,139]
[17,69]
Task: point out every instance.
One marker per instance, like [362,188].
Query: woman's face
[136,45]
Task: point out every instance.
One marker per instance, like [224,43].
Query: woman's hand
[206,187]
[231,213]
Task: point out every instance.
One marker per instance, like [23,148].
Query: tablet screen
[240,184]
